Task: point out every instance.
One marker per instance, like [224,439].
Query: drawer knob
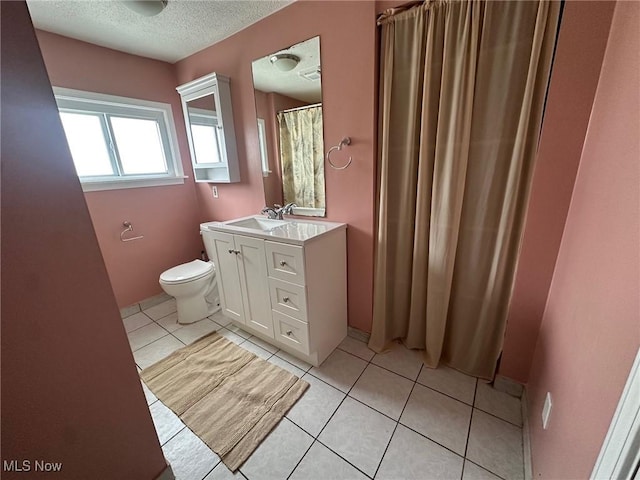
[289,333]
[285,299]
[283,263]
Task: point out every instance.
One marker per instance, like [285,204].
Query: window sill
[122,183]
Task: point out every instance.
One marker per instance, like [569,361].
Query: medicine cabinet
[206,104]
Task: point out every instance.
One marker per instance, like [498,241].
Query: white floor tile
[497,403]
[148,394]
[262,344]
[313,410]
[359,434]
[278,454]
[155,300]
[162,309]
[192,332]
[170,322]
[320,463]
[256,350]
[166,422]
[156,351]
[223,473]
[401,360]
[340,370]
[357,348]
[496,445]
[232,337]
[136,321]
[412,457]
[238,331]
[474,472]
[438,417]
[383,390]
[449,381]
[145,335]
[286,365]
[220,319]
[301,364]
[190,458]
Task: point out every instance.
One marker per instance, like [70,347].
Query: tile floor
[364,416]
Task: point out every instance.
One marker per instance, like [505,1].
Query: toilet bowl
[195,289]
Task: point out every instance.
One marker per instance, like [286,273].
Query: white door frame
[620,453]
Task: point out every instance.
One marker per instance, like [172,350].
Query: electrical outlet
[546,410]
[215,191]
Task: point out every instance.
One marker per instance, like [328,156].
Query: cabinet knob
[231,250]
[234,251]
[285,299]
[289,333]
[282,263]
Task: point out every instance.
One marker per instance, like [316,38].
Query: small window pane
[205,143]
[139,145]
[87,144]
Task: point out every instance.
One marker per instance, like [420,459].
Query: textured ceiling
[181,29]
[268,78]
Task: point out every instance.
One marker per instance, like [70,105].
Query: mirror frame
[302,211]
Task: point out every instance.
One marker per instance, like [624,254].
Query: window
[205,135]
[119,142]
[262,139]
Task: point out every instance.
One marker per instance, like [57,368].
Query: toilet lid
[187,272]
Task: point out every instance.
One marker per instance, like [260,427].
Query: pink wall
[590,331]
[348,105]
[581,45]
[70,390]
[167,216]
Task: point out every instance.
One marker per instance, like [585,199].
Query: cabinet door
[252,267]
[228,278]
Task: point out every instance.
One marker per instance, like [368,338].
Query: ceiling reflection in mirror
[288,95]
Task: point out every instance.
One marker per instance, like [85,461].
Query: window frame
[78,101]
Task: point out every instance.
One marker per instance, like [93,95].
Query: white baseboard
[358,334]
[506,385]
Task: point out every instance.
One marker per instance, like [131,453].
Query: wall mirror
[206,104]
[288,95]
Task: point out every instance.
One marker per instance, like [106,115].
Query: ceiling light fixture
[284,62]
[147,8]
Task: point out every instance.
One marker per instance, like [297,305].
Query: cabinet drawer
[288,298]
[291,332]
[285,262]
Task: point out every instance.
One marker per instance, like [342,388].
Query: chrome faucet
[277,211]
[270,212]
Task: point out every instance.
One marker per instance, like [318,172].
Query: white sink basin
[292,230]
[262,224]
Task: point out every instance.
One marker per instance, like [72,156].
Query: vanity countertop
[289,230]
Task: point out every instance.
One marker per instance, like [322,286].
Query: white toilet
[195,289]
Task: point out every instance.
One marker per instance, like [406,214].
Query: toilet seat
[187,272]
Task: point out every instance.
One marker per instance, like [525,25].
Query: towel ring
[343,142]
[128,229]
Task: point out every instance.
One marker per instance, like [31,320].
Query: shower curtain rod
[301,108]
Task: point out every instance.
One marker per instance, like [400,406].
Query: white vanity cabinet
[289,292]
[242,271]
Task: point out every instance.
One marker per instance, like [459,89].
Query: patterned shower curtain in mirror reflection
[302,157]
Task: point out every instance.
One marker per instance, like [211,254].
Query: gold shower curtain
[302,157]
[462,91]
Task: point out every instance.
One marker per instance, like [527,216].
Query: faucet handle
[288,208]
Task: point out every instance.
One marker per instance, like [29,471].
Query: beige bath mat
[226,395]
